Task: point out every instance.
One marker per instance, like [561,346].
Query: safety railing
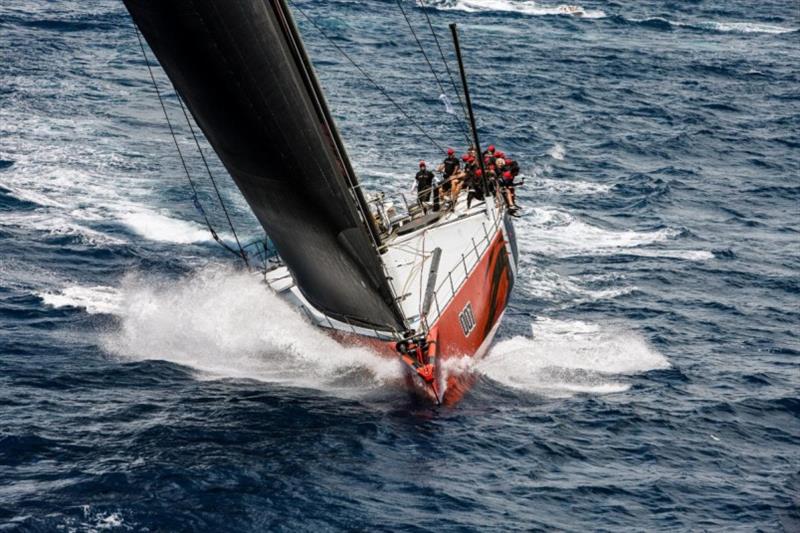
[444,293]
[382,213]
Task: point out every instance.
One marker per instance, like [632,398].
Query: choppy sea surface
[646,375]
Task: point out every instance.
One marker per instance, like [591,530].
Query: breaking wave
[722,27]
[95,300]
[557,152]
[537,184]
[227,323]
[552,231]
[162,228]
[565,357]
[746,27]
[57,225]
[547,285]
[518,6]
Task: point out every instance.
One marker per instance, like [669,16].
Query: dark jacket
[424,179]
[451,165]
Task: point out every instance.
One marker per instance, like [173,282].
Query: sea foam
[227,323]
[564,357]
[519,6]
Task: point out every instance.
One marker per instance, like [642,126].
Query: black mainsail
[242,70]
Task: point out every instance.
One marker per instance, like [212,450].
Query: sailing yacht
[420,286]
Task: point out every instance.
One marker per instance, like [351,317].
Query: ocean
[646,376]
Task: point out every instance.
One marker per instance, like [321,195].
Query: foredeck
[461,236]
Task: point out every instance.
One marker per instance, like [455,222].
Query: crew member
[513,167]
[500,162]
[475,187]
[424,184]
[447,185]
[466,176]
[507,184]
[450,165]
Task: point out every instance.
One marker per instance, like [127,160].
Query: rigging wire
[368,77]
[430,66]
[446,66]
[213,181]
[195,198]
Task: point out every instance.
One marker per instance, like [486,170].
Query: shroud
[243,72]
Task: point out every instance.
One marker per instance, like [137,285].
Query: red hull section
[470,317]
[468,323]
[465,326]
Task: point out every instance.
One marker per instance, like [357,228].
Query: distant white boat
[576,11]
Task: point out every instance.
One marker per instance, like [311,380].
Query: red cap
[491,148]
[471,158]
[507,174]
[422,163]
[465,157]
[450,151]
[478,172]
[500,155]
[508,161]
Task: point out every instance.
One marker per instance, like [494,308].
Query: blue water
[646,375]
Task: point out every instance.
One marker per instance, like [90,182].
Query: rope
[430,66]
[368,77]
[213,182]
[195,198]
[447,67]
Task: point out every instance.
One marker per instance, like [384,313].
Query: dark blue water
[646,376]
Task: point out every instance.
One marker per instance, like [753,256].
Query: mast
[287,20]
[454,31]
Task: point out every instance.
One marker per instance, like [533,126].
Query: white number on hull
[467,319]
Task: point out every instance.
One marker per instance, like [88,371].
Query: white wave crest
[227,323]
[747,27]
[158,227]
[96,521]
[96,299]
[689,255]
[567,357]
[557,152]
[563,186]
[719,26]
[544,284]
[57,224]
[554,232]
[32,196]
[524,7]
